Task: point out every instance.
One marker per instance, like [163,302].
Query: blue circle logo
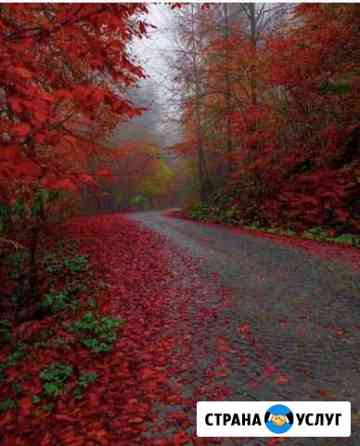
[279,419]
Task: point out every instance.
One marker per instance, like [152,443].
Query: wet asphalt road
[303,313]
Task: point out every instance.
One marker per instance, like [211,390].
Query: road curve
[304,312]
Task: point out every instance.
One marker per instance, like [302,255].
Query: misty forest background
[252,118]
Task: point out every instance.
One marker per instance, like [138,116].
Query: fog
[160,123]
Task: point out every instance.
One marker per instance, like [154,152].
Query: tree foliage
[65,70]
[286,97]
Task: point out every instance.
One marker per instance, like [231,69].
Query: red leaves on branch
[65,185]
[104,172]
[53,102]
[87,180]
[10,154]
[281,111]
[27,169]
[21,130]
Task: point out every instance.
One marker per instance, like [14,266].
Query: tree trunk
[253,39]
[201,162]
[33,273]
[228,109]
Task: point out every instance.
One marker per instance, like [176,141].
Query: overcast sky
[155,93]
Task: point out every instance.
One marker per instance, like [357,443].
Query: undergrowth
[224,212]
[66,319]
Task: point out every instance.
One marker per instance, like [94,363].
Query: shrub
[98,333]
[77,264]
[54,378]
[85,379]
[54,302]
[348,239]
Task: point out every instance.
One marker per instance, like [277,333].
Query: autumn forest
[167,173]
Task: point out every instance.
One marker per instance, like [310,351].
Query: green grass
[316,233]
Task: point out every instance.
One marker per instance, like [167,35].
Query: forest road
[303,313]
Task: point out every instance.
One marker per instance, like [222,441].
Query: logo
[279,419]
[273,419]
